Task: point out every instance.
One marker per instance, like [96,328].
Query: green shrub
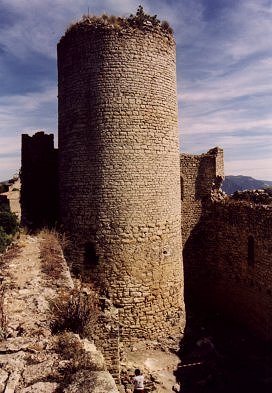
[4,240]
[8,221]
[140,20]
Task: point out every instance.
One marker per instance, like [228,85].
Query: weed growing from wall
[140,20]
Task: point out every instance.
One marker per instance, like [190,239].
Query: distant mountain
[241,183]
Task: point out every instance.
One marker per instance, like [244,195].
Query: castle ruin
[130,202]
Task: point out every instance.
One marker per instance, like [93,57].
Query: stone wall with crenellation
[39,171]
[199,175]
[227,248]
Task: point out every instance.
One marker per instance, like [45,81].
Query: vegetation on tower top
[140,20]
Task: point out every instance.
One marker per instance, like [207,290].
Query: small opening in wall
[250,251]
[166,252]
[181,187]
[90,256]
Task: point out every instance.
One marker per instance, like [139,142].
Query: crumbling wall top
[140,21]
[257,197]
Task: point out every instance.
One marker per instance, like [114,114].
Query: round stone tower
[119,170]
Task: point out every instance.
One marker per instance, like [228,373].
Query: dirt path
[26,355]
[31,360]
[26,299]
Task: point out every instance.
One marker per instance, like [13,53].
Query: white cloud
[40,24]
[253,23]
[225,64]
[21,112]
[247,80]
[9,146]
[9,167]
[225,96]
[252,167]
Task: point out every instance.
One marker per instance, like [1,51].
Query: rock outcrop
[31,358]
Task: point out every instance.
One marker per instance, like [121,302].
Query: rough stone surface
[94,355]
[119,172]
[3,378]
[12,381]
[199,174]
[227,245]
[236,275]
[95,382]
[41,387]
[262,197]
[156,363]
[30,357]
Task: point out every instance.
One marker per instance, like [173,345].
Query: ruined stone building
[227,246]
[130,202]
[39,181]
[118,170]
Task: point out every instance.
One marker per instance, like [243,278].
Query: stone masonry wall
[199,175]
[227,247]
[233,248]
[119,172]
[39,180]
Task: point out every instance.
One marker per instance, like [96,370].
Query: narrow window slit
[250,251]
[90,256]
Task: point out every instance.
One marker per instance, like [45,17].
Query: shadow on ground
[218,357]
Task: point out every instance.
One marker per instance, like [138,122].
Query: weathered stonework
[119,172]
[227,246]
[39,181]
[199,174]
[127,201]
[236,265]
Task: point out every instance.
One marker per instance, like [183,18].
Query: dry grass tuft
[51,252]
[3,319]
[75,310]
[13,251]
[140,20]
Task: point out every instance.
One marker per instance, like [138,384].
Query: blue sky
[224,72]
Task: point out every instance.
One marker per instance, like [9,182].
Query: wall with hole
[230,257]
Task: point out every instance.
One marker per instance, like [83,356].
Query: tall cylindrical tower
[119,169]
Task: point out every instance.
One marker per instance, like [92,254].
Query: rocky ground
[217,357]
[156,362]
[34,360]
[31,358]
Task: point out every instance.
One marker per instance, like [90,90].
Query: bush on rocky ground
[51,252]
[8,228]
[74,311]
[5,240]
